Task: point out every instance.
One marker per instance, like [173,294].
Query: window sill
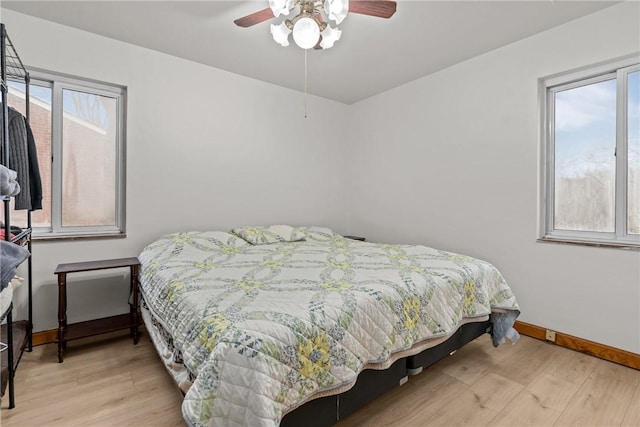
[78,236]
[609,245]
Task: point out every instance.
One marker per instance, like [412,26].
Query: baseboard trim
[612,354]
[51,335]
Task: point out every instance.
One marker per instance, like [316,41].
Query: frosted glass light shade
[329,37]
[280,7]
[336,10]
[280,34]
[306,33]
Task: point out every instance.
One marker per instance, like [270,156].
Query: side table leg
[62,313]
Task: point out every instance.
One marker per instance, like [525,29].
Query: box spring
[371,384]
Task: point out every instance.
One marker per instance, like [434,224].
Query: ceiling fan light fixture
[280,7]
[306,33]
[281,33]
[313,17]
[330,36]
[336,10]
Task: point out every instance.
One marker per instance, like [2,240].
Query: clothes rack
[18,334]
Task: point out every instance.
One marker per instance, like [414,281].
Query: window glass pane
[89,141]
[585,141]
[633,132]
[40,123]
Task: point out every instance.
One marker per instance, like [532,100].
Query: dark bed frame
[371,384]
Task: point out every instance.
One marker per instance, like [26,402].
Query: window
[79,128]
[591,155]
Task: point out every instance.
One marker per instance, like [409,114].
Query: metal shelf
[20,331]
[18,334]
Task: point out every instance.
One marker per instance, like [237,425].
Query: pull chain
[305,83]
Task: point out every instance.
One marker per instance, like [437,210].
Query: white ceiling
[374,54]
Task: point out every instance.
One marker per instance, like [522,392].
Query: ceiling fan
[311,26]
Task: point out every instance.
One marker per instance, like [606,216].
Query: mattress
[261,329]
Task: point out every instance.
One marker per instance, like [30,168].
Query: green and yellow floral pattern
[260,235]
[270,325]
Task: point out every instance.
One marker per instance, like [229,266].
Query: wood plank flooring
[106,381]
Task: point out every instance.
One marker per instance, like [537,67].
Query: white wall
[206,149]
[452,161]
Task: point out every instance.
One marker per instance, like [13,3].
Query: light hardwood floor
[106,381]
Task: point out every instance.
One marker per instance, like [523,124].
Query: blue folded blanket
[11,256]
[503,327]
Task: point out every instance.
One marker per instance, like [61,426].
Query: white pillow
[261,235]
[319,233]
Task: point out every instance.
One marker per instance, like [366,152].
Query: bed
[270,325]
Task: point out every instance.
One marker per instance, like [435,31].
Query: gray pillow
[11,256]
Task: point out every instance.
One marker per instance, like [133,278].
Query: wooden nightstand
[362,239]
[89,328]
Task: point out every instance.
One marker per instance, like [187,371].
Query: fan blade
[379,8]
[254,18]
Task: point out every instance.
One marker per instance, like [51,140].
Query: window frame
[58,83]
[548,87]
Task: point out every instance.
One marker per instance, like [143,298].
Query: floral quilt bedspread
[263,328]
